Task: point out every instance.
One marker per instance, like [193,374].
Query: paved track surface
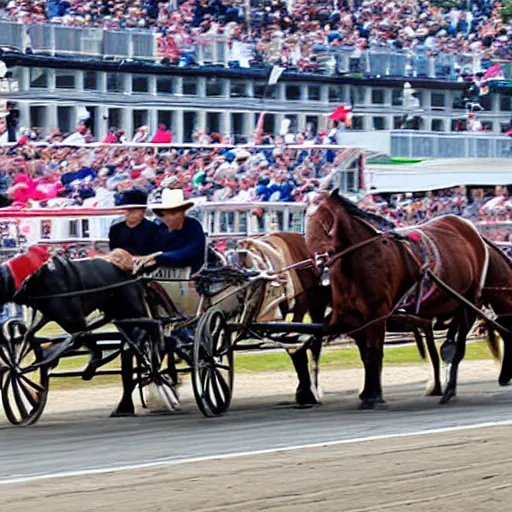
[86,441]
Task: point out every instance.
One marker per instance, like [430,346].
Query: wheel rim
[213,365]
[24,390]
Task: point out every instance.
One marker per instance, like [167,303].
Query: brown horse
[299,294]
[374,274]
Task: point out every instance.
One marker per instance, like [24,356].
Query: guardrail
[416,144]
[219,50]
[382,62]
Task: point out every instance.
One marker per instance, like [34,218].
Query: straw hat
[172,199]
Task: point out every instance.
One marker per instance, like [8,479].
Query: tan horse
[295,291]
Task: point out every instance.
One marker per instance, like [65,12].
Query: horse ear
[335,193]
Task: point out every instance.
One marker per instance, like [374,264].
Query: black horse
[68,292]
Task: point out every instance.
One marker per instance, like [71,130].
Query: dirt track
[467,471]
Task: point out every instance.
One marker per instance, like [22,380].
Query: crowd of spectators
[34,175]
[491,206]
[289,32]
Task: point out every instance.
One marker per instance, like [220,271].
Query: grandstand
[188,83]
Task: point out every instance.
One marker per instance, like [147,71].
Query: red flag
[492,72]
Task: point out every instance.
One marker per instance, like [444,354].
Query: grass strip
[277,361]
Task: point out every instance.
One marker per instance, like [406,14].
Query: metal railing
[416,144]
[381,62]
[143,44]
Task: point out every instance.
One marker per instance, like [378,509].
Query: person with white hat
[184,243]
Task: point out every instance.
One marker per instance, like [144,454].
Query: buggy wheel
[24,390]
[213,371]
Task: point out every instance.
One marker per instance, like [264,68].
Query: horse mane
[355,211]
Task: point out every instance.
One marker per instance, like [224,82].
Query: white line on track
[223,456]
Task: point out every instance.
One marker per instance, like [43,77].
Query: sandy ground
[460,471]
[249,385]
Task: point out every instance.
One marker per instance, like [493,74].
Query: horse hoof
[116,413]
[434,391]
[504,381]
[448,395]
[306,397]
[366,406]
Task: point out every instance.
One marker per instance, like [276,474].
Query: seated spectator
[162,136]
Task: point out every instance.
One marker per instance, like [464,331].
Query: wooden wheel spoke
[219,399]
[224,391]
[32,398]
[24,350]
[4,357]
[31,383]
[18,398]
[223,367]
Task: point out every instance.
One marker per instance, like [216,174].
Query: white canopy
[437,174]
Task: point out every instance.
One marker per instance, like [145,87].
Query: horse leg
[125,406]
[372,392]
[506,364]
[448,347]
[435,389]
[464,320]
[306,393]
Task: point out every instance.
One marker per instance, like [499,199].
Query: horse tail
[419,343]
[492,341]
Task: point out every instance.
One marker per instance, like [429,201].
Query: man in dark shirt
[181,240]
[135,234]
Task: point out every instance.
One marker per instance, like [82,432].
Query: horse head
[16,270]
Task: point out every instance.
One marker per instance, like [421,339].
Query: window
[189,125]
[214,87]
[238,89]
[190,86]
[38,78]
[140,83]
[314,93]
[237,127]
[140,118]
[38,117]
[379,123]
[165,117]
[64,79]
[164,85]
[487,126]
[260,89]
[377,97]
[114,118]
[213,122]
[114,82]
[65,118]
[312,124]
[360,95]
[293,92]
[457,102]
[269,124]
[486,101]
[505,103]
[437,100]
[336,94]
[357,122]
[397,122]
[437,125]
[90,80]
[397,97]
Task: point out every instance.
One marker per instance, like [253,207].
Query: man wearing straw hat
[184,242]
